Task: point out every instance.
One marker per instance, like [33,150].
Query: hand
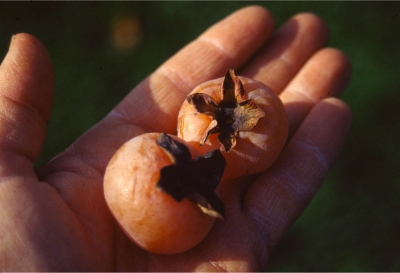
[56,218]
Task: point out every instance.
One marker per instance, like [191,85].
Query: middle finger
[289,48]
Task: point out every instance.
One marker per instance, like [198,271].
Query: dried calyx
[195,179]
[229,116]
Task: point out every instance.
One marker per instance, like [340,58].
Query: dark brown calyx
[231,115]
[195,179]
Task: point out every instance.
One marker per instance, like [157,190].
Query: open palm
[56,218]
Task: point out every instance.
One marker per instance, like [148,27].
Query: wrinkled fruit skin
[150,217]
[255,150]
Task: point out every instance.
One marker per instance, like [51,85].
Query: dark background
[101,50]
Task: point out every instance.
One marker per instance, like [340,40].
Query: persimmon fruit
[143,189]
[242,117]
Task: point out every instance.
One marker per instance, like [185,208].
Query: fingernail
[13,39]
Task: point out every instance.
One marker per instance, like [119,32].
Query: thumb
[26,98]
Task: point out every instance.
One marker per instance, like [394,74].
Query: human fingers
[278,196]
[294,66]
[324,75]
[287,51]
[26,96]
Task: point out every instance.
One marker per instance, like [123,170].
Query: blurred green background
[100,50]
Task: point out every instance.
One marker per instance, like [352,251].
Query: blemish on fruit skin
[195,179]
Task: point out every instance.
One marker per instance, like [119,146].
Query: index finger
[227,44]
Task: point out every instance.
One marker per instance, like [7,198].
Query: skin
[255,149]
[56,218]
[150,217]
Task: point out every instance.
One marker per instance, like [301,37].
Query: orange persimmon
[162,193]
[242,117]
